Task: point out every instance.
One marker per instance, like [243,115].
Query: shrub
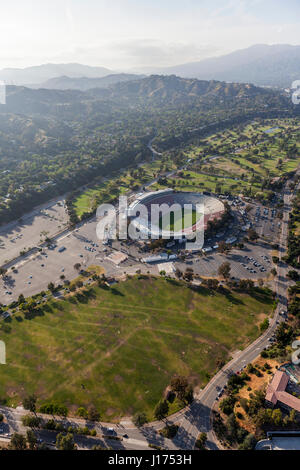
[139,419]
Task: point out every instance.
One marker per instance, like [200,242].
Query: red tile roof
[276,392]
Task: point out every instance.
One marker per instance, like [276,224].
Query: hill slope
[85,83]
[156,92]
[277,65]
[41,73]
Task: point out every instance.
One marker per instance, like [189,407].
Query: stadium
[177,223]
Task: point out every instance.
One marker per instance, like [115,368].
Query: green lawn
[232,165]
[179,220]
[195,181]
[118,348]
[124,183]
[250,166]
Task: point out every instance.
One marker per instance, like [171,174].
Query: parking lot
[266,221]
[32,275]
[253,262]
[48,220]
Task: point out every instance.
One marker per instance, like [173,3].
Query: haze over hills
[263,65]
[85,83]
[156,91]
[68,137]
[41,73]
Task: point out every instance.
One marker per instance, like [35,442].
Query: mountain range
[154,92]
[41,73]
[85,83]
[263,65]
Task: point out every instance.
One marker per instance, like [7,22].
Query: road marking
[136,442]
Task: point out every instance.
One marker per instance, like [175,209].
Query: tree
[188,275]
[3,271]
[284,335]
[252,235]
[277,417]
[249,443]
[264,325]
[29,403]
[51,287]
[227,405]
[21,299]
[93,414]
[180,385]
[232,426]
[292,417]
[224,270]
[211,284]
[178,273]
[256,401]
[31,421]
[65,442]
[31,439]
[18,442]
[54,409]
[223,247]
[201,441]
[246,285]
[82,412]
[1,418]
[139,419]
[161,410]
[293,275]
[77,266]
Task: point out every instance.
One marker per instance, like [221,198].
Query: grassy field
[124,183]
[179,220]
[118,348]
[195,181]
[239,169]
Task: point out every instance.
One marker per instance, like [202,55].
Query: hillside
[174,90]
[53,141]
[276,66]
[154,91]
[41,73]
[85,83]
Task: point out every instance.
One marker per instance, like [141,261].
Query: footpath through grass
[117,348]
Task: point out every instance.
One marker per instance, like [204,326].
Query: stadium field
[179,220]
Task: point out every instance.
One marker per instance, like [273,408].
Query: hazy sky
[128,34]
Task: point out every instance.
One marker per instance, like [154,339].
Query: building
[277,394]
[156,259]
[231,240]
[117,258]
[278,440]
[207,250]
